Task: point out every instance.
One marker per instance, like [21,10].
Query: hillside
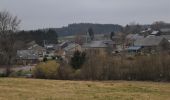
[51,35]
[39,36]
[82,28]
[32,89]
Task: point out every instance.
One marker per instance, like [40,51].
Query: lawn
[35,89]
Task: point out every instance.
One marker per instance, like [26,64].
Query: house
[38,50]
[166,37]
[119,42]
[49,46]
[131,38]
[146,32]
[51,49]
[165,31]
[153,44]
[41,51]
[25,57]
[155,33]
[64,44]
[67,48]
[96,47]
[71,48]
[113,46]
[133,49]
[60,54]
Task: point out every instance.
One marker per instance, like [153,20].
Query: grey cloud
[56,13]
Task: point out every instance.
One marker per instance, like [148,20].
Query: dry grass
[32,89]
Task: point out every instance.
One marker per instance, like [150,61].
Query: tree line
[89,66]
[39,36]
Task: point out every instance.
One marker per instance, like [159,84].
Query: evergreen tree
[111,35]
[78,59]
[91,33]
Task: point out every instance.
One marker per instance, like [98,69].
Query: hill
[51,34]
[35,89]
[82,28]
[39,36]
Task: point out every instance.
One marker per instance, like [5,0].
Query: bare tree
[8,27]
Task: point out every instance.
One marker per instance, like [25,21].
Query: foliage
[73,29]
[45,59]
[91,33]
[111,35]
[51,35]
[152,67]
[105,67]
[39,36]
[65,72]
[78,59]
[48,70]
[133,28]
[20,73]
[8,27]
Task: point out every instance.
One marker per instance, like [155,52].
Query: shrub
[47,70]
[45,59]
[155,67]
[20,73]
[2,75]
[65,72]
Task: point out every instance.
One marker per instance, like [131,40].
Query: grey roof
[31,43]
[64,44]
[165,30]
[134,36]
[71,46]
[149,41]
[108,42]
[134,48]
[36,47]
[155,32]
[166,37]
[26,54]
[96,44]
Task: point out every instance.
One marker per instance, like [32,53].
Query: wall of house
[96,51]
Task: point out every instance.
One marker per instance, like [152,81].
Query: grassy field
[32,89]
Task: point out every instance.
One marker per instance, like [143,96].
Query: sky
[37,14]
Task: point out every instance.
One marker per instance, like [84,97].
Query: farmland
[36,89]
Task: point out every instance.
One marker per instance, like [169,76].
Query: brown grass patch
[35,89]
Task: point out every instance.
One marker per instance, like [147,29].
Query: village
[84,50]
[147,42]
[152,42]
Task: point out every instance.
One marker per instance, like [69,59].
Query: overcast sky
[57,13]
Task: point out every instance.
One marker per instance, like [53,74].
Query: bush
[105,67]
[47,70]
[153,68]
[19,73]
[98,68]
[45,59]
[2,75]
[65,72]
